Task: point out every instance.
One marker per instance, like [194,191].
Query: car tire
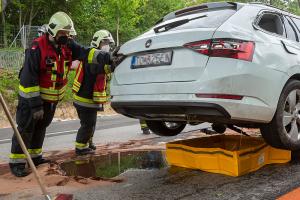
[163,128]
[284,129]
[219,128]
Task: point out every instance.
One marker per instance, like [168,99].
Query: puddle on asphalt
[111,165]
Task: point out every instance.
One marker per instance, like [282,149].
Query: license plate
[152,59]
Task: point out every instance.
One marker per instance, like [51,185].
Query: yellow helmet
[101,35]
[60,21]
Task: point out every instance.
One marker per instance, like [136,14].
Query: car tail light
[220,96]
[227,48]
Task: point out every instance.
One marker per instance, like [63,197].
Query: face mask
[62,40]
[105,48]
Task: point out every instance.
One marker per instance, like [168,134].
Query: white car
[225,63]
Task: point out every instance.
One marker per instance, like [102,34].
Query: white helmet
[60,21]
[73,33]
[101,35]
[42,29]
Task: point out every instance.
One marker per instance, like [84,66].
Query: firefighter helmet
[73,33]
[42,29]
[60,21]
[101,35]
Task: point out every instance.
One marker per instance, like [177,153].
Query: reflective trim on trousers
[144,125]
[29,89]
[81,145]
[28,95]
[17,156]
[34,153]
[17,160]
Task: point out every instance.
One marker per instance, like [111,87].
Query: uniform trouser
[88,119]
[32,131]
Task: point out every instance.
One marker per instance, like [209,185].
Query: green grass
[14,49]
[9,83]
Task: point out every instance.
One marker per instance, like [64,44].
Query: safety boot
[40,160]
[92,145]
[19,169]
[146,131]
[82,152]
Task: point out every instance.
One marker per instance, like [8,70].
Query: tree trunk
[20,19]
[30,14]
[118,28]
[4,28]
[299,3]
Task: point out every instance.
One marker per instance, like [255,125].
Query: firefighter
[91,91]
[43,80]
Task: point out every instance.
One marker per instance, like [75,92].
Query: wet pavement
[268,182]
[146,175]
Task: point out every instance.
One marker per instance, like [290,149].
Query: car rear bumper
[174,111]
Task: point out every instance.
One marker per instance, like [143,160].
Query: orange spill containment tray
[232,155]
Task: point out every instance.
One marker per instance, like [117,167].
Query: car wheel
[165,128]
[219,128]
[284,129]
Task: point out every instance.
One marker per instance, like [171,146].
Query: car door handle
[287,49]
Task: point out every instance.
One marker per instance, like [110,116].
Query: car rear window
[213,19]
[297,22]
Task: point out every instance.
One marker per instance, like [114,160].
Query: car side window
[290,30]
[272,23]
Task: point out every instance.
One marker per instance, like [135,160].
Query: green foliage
[153,10]
[124,18]
[9,83]
[120,17]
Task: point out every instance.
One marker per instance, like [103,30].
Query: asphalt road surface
[61,135]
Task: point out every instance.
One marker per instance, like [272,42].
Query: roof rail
[197,8]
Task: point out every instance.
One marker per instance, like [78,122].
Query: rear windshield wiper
[166,27]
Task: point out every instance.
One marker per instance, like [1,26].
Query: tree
[153,10]
[120,17]
[85,22]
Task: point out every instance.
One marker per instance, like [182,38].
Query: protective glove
[116,58]
[38,115]
[115,51]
